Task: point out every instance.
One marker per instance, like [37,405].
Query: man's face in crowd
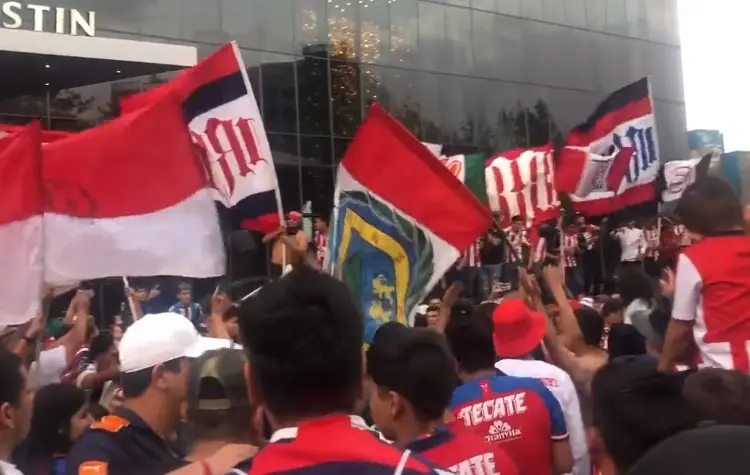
[185,296]
[517,226]
[580,221]
[497,217]
[173,384]
[320,225]
[17,418]
[631,224]
[432,317]
[108,359]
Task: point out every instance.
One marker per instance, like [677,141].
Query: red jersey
[520,415]
[712,289]
[463,453]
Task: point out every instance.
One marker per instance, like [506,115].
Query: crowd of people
[521,374]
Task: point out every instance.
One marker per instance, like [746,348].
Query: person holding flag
[288,245]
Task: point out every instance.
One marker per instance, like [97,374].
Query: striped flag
[469,169]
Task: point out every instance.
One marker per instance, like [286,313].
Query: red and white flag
[22,198]
[129,197]
[624,122]
[225,123]
[585,173]
[521,182]
[48,136]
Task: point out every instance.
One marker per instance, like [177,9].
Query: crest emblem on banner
[454,165]
[385,259]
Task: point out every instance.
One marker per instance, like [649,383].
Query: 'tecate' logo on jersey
[493,409]
[478,465]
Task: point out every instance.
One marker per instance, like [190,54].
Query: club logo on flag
[642,141]
[454,165]
[680,178]
[385,259]
[227,141]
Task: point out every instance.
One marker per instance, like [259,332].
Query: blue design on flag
[385,260]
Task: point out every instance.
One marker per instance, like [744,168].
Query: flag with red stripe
[391,241]
[129,197]
[521,182]
[624,120]
[22,198]
[225,123]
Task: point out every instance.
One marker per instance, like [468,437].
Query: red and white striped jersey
[570,242]
[470,257]
[517,242]
[321,247]
[652,243]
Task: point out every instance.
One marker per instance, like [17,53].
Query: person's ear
[396,404]
[7,415]
[157,378]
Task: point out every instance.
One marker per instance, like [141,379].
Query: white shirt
[110,389]
[633,244]
[562,387]
[7,468]
[50,366]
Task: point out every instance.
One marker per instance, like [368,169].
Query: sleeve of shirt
[687,290]
[556,415]
[90,457]
[173,309]
[89,370]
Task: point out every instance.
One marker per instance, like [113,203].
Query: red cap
[293,217]
[517,330]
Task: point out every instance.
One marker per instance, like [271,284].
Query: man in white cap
[154,367]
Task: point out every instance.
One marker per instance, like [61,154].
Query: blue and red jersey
[463,453]
[333,444]
[518,414]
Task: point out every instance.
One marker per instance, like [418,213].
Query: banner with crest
[391,241]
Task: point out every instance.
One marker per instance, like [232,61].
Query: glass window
[636,12]
[554,11]
[289,186]
[596,15]
[533,9]
[274,25]
[316,151]
[575,13]
[569,108]
[454,110]
[671,130]
[373,88]
[477,124]
[616,61]
[311,25]
[616,16]
[314,95]
[346,100]
[512,55]
[317,188]
[671,23]
[343,31]
[510,7]
[429,108]
[487,5]
[253,61]
[401,87]
[404,33]
[374,31]
[340,147]
[460,3]
[484,43]
[240,22]
[458,54]
[278,82]
[432,41]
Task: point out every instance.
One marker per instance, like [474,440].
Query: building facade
[470,74]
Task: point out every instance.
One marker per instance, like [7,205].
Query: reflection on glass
[313,94]
[343,30]
[317,187]
[279,93]
[404,32]
[345,97]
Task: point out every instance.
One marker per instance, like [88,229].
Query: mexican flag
[470,170]
[400,221]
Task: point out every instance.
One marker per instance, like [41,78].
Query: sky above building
[716,67]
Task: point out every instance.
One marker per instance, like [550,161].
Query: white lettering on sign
[488,411]
[65,20]
[523,185]
[478,465]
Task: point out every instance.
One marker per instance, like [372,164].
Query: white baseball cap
[160,337]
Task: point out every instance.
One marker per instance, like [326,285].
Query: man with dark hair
[518,414]
[16,401]
[712,285]
[185,305]
[520,247]
[634,408]
[154,368]
[720,396]
[303,336]
[101,376]
[413,374]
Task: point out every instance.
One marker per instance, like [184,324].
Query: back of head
[635,407]
[719,395]
[710,207]
[417,364]
[303,335]
[591,324]
[470,341]
[625,340]
[218,402]
[635,284]
[715,450]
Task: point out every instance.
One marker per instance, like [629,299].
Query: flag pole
[131,303]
